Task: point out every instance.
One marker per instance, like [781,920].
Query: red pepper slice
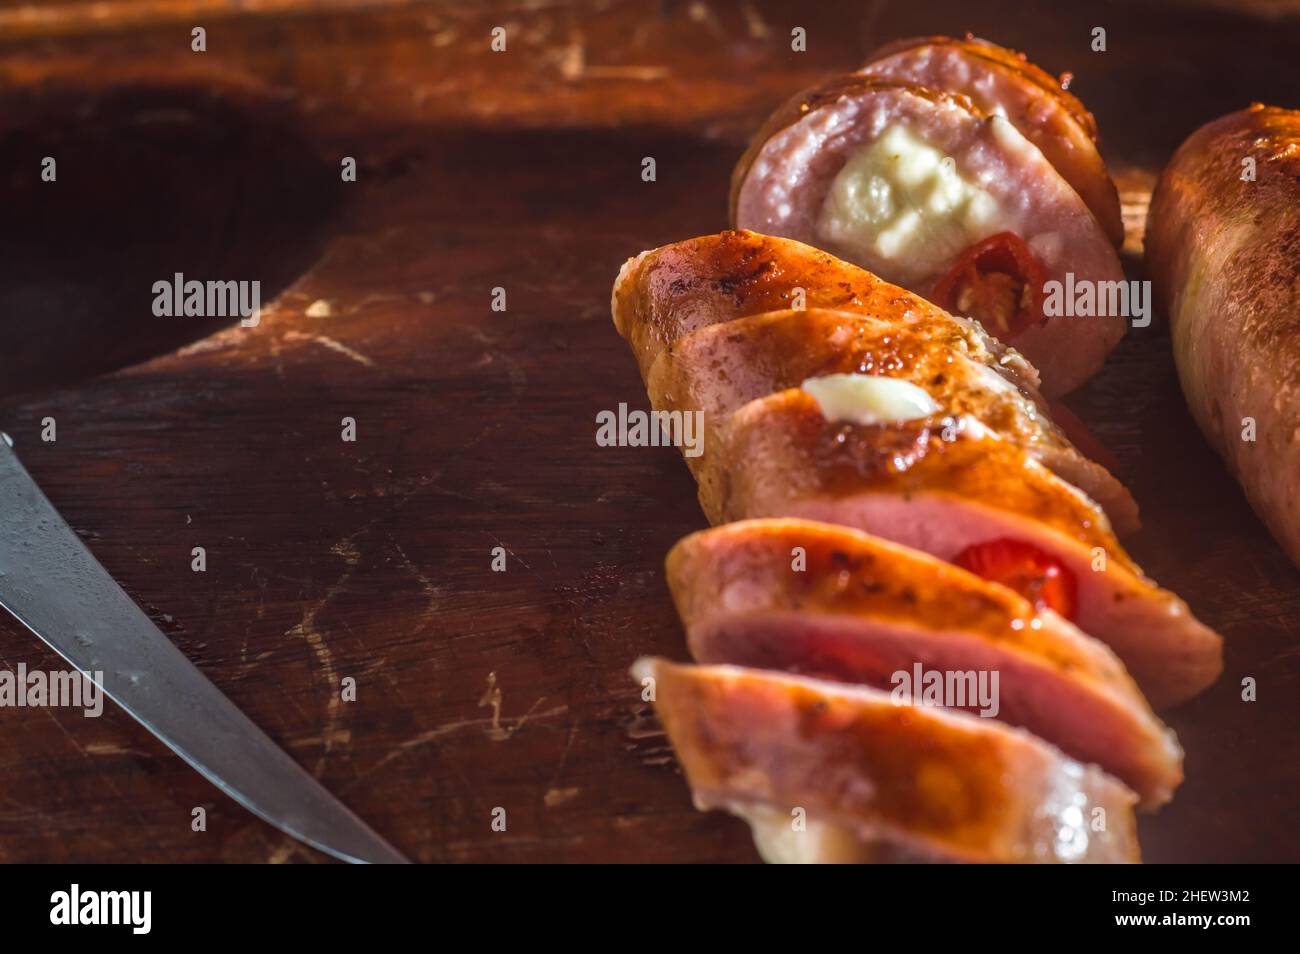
[999,282]
[1035,575]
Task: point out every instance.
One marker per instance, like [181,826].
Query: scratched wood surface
[371,560]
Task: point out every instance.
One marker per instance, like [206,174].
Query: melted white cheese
[868,398]
[817,843]
[899,201]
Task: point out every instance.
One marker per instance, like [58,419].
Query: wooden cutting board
[372,560]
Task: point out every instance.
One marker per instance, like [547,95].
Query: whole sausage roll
[1223,255]
[929,192]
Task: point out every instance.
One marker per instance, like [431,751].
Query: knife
[58,590]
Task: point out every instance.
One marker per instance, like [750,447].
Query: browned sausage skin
[1223,254]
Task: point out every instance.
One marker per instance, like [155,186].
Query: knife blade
[57,589]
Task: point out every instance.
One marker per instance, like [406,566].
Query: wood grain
[476,429]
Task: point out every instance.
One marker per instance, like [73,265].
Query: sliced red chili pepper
[1035,575]
[999,282]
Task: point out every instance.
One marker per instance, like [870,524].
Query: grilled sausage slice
[666,293]
[1223,254]
[955,493]
[1004,83]
[836,603]
[923,189]
[948,785]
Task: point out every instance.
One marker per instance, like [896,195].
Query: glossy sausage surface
[1223,254]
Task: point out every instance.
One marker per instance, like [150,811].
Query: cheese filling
[900,202]
[780,842]
[869,398]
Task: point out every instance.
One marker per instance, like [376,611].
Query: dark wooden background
[477,429]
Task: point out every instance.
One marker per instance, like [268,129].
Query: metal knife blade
[58,590]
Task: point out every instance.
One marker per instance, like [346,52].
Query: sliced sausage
[957,494]
[857,769]
[664,295]
[836,603]
[719,368]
